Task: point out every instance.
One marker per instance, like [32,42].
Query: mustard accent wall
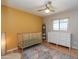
[14,21]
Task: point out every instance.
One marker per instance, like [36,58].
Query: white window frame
[59,24]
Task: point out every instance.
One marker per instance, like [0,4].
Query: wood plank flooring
[62,49]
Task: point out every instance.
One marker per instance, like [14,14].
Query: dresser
[60,38]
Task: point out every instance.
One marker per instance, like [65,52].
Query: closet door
[3,43]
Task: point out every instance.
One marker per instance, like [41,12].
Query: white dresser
[60,38]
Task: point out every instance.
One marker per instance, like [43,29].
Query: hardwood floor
[62,49]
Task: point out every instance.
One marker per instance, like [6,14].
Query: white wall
[72,27]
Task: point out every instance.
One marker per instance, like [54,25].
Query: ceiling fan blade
[49,2]
[42,9]
[52,10]
[48,6]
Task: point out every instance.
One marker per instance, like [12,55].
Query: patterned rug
[42,52]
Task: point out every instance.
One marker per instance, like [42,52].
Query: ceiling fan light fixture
[47,11]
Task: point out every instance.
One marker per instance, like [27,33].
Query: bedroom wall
[15,21]
[72,27]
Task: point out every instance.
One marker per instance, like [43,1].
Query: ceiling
[32,6]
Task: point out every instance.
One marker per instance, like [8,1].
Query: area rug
[43,52]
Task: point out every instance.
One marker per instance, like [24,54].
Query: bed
[29,39]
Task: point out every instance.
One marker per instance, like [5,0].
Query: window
[56,25]
[61,24]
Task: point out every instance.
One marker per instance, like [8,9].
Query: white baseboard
[75,48]
[12,49]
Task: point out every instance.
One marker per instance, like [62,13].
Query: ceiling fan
[48,7]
